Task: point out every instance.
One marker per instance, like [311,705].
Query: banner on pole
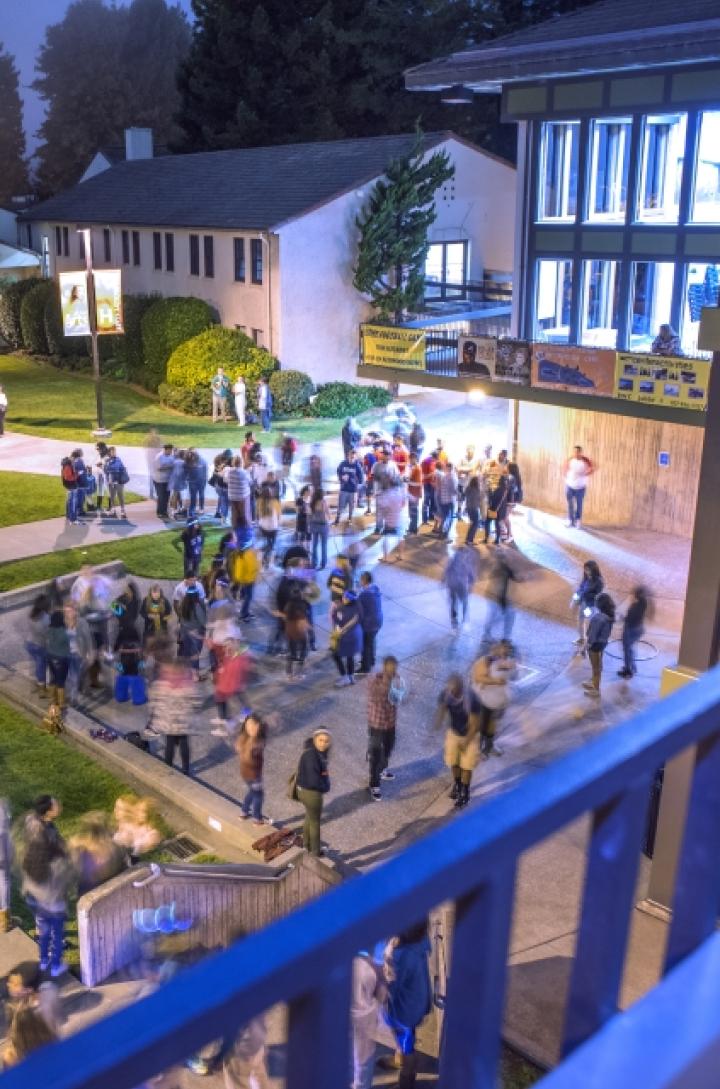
[74,304]
[108,300]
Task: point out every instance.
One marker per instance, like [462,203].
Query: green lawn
[30,497]
[155,555]
[61,405]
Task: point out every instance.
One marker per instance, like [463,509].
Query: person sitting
[667,342]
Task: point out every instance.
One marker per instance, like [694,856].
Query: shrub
[291,391]
[32,316]
[193,364]
[166,325]
[338,399]
[196,401]
[129,347]
[59,346]
[11,299]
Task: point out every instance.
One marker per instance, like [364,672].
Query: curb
[25,595]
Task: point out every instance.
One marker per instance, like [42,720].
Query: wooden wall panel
[629,488]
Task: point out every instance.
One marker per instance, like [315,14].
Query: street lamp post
[100,432]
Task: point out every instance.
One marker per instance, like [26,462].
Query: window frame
[81,246]
[157,251]
[58,242]
[209,256]
[560,302]
[136,249]
[125,243]
[614,216]
[572,154]
[239,265]
[66,240]
[446,289]
[194,254]
[256,261]
[169,251]
[107,245]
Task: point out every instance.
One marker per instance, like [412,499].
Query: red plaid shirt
[382,715]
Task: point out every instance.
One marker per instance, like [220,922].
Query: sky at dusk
[22,31]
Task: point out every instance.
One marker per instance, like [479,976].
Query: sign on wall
[662,380]
[108,300]
[574,369]
[499,360]
[391,346]
[74,304]
[476,357]
[512,362]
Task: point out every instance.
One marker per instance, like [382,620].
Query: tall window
[706,196]
[58,242]
[445,270]
[558,174]
[600,307]
[209,255]
[125,238]
[553,301]
[136,247]
[661,167]
[169,251]
[66,241]
[651,299]
[256,257]
[609,161]
[194,255]
[239,259]
[702,288]
[157,250]
[81,243]
[107,245]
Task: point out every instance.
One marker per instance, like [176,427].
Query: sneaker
[198,1066]
[624,673]
[387,775]
[217,721]
[220,731]
[341,682]
[588,684]
[595,692]
[44,965]
[569,525]
[375,793]
[58,970]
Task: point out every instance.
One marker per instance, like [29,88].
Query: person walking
[243,570]
[461,711]
[161,472]
[409,996]
[428,466]
[499,604]
[173,706]
[220,389]
[269,512]
[193,542]
[36,641]
[490,678]
[288,450]
[3,410]
[191,635]
[297,630]
[240,395]
[47,878]
[237,480]
[473,506]
[446,489]
[385,693]
[496,500]
[514,496]
[599,631]
[584,598]
[416,439]
[197,476]
[312,784]
[302,515]
[351,478]
[578,469]
[117,477]
[346,638]
[7,857]
[459,577]
[371,620]
[319,527]
[633,630]
[250,748]
[58,656]
[350,435]
[265,403]
[413,480]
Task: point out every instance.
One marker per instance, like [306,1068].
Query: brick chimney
[138,144]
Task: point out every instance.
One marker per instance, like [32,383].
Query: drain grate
[182,847]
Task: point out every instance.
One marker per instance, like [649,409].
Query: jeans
[265,417]
[458,601]
[80,494]
[428,510]
[269,538]
[39,658]
[181,742]
[346,665]
[75,676]
[413,511]
[162,493]
[58,671]
[319,542]
[363,1072]
[575,497]
[380,746]
[117,495]
[297,653]
[345,499]
[252,803]
[197,498]
[223,504]
[191,563]
[246,596]
[630,637]
[446,513]
[313,802]
[368,651]
[488,523]
[474,516]
[497,611]
[51,933]
[71,505]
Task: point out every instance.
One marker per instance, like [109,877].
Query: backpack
[67,473]
[242,565]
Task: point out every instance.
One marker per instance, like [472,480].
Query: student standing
[413,480]
[162,468]
[297,630]
[578,470]
[598,636]
[173,708]
[220,389]
[633,630]
[250,747]
[58,656]
[239,393]
[265,403]
[584,598]
[269,511]
[117,477]
[319,526]
[385,690]
[461,711]
[193,542]
[193,618]
[36,642]
[371,620]
[409,996]
[313,783]
[46,880]
[350,475]
[346,638]
[197,475]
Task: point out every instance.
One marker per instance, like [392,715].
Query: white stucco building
[267,235]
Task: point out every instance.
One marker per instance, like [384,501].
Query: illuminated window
[558,173]
[553,301]
[702,288]
[706,196]
[445,270]
[651,298]
[663,152]
[599,317]
[609,159]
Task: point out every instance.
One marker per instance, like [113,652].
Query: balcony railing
[670,1038]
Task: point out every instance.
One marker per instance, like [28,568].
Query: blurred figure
[459,577]
[250,747]
[499,604]
[409,996]
[350,435]
[36,640]
[369,992]
[28,1032]
[155,612]
[7,854]
[667,342]
[24,986]
[599,630]
[95,855]
[461,711]
[173,706]
[633,630]
[47,877]
[153,443]
[245,1067]
[136,825]
[490,678]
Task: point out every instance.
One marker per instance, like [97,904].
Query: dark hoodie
[313,769]
[370,606]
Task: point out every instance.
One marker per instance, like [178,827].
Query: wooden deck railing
[671,1038]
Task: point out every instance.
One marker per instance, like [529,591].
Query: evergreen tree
[101,70]
[393,245]
[13,168]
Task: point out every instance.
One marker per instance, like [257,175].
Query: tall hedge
[11,298]
[291,391]
[195,362]
[32,316]
[166,325]
[129,346]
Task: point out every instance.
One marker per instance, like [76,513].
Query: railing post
[610,879]
[476,987]
[318,1050]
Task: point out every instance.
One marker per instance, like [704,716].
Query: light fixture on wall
[457,95]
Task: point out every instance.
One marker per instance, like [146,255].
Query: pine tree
[13,168]
[393,245]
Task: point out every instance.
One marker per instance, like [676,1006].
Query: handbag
[334,640]
[292,787]
[491,513]
[124,477]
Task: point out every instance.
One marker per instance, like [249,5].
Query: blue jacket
[197,473]
[410,993]
[370,605]
[350,475]
[350,642]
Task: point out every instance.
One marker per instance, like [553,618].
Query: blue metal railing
[305,958]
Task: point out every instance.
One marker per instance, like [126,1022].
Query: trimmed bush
[129,347]
[291,391]
[195,402]
[11,299]
[60,347]
[337,399]
[193,364]
[166,325]
[32,316]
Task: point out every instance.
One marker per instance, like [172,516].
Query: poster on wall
[74,304]
[662,380]
[476,357]
[390,346]
[574,369]
[108,301]
[512,362]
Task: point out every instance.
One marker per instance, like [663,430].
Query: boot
[4,920]
[60,698]
[463,796]
[485,746]
[454,793]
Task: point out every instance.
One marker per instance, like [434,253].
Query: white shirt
[3,399]
[578,473]
[262,393]
[363,1009]
[181,589]
[239,388]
